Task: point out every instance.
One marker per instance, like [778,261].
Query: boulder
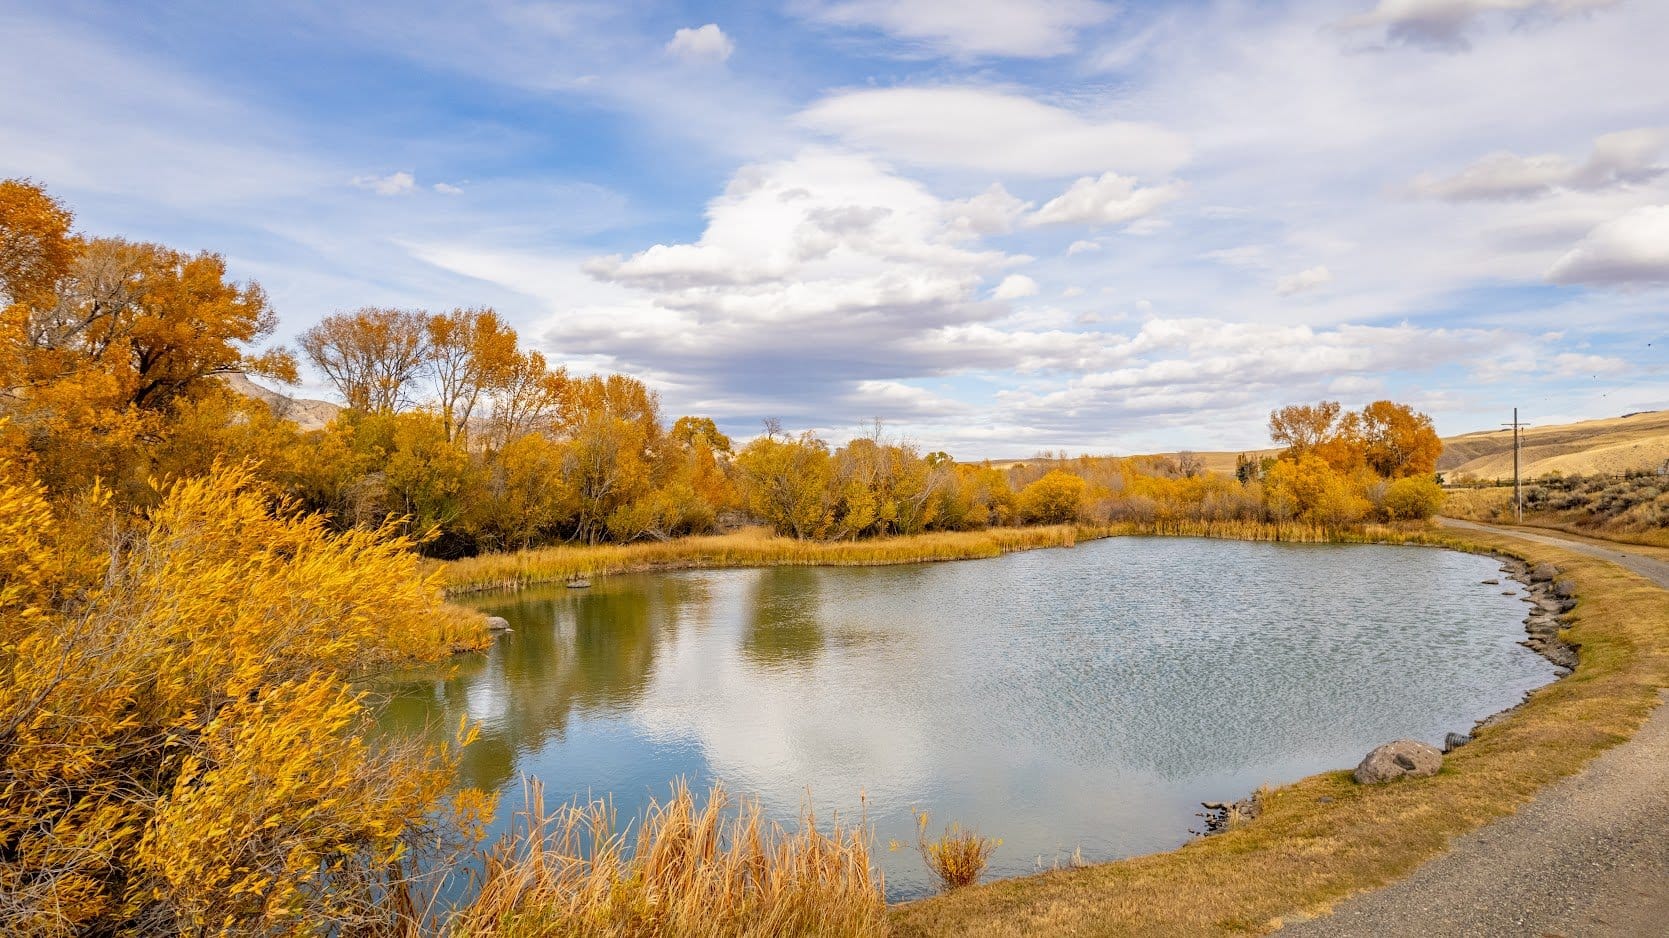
[1564,589]
[1492,582]
[1454,741]
[1543,573]
[1405,758]
[498,623]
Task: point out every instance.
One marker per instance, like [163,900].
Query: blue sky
[1001,226]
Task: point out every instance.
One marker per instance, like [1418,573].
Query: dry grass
[1631,511]
[1613,446]
[750,548]
[694,869]
[956,858]
[1324,838]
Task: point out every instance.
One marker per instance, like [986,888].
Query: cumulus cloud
[993,131]
[1014,287]
[1626,158]
[702,44]
[446,188]
[1020,28]
[1082,247]
[1303,281]
[1107,200]
[1444,25]
[399,183]
[1174,368]
[1631,249]
[993,211]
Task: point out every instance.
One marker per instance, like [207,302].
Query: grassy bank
[1324,838]
[749,548]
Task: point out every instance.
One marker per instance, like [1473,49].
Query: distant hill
[308,414]
[1611,446]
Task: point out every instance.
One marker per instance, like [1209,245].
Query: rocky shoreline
[1551,602]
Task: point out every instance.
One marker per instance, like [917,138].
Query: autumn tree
[36,248]
[1056,498]
[786,483]
[528,397]
[471,353]
[1399,442]
[371,356]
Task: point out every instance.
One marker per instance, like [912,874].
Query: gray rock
[1564,589]
[1543,573]
[498,623]
[1492,582]
[1405,758]
[1454,741]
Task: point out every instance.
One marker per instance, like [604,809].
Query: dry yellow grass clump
[754,547]
[696,869]
[957,857]
[1325,837]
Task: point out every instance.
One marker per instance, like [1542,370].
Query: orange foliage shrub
[181,749]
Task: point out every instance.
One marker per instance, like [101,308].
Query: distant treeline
[111,349]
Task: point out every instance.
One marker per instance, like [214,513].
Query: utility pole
[1518,491]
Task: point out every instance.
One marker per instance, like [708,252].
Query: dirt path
[1588,857]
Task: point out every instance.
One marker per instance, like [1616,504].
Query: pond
[1083,699]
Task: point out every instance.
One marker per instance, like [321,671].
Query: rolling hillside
[1611,446]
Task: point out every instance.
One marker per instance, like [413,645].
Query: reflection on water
[1058,699]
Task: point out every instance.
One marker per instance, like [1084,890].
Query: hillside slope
[307,414]
[1611,446]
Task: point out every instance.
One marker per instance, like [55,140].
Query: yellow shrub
[181,748]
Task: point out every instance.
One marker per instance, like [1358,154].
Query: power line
[1518,491]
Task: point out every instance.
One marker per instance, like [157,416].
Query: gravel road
[1588,857]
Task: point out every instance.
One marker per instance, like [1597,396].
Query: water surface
[1086,698]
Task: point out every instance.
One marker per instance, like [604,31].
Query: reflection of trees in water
[589,651]
[783,626]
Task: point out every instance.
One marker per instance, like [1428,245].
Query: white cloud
[1303,281]
[993,131]
[703,44]
[446,188]
[1627,158]
[993,211]
[1021,28]
[399,183]
[1082,247]
[1014,287]
[1072,292]
[1107,200]
[1632,249]
[1444,24]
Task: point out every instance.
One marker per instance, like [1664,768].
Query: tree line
[108,374]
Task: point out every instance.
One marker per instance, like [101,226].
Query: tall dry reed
[748,548]
[702,869]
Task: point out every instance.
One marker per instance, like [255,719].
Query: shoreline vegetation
[757,547]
